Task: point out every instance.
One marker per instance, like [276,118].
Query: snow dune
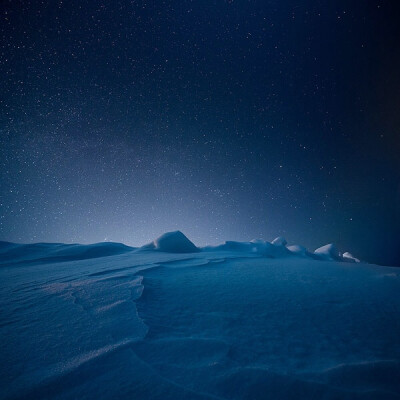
[243,320]
[57,252]
[170,242]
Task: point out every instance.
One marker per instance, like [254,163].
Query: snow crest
[172,242]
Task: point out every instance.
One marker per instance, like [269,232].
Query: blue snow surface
[254,320]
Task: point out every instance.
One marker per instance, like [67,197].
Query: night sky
[227,120]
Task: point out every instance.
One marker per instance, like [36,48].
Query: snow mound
[349,257]
[172,242]
[256,247]
[279,241]
[177,242]
[328,252]
[298,250]
[278,249]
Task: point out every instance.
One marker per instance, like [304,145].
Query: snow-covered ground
[252,320]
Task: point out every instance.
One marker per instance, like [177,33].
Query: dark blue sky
[228,120]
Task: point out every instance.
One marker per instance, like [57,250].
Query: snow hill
[170,242]
[177,242]
[57,252]
[169,320]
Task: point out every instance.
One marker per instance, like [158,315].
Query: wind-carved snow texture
[249,320]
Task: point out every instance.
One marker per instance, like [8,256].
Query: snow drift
[57,252]
[278,248]
[170,242]
[244,320]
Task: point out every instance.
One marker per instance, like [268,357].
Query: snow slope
[40,253]
[250,320]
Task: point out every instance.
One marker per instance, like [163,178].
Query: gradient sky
[228,120]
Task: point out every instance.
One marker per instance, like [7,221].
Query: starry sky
[228,120]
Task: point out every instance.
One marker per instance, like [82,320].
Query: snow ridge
[170,242]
